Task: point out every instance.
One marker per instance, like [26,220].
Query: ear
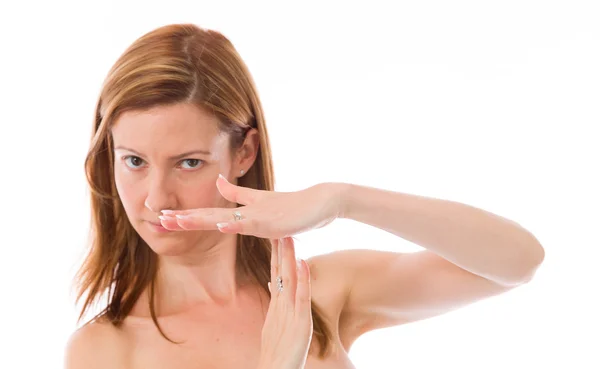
[246,154]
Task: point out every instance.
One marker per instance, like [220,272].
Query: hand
[288,327]
[266,214]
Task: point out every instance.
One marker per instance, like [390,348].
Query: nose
[150,207]
[160,196]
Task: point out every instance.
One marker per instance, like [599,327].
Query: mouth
[157,227]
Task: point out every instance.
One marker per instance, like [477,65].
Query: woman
[191,281]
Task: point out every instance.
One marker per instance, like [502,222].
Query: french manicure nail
[167,212]
[179,216]
[222,225]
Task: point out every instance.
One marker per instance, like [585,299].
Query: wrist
[341,199]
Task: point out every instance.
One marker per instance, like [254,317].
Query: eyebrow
[180,156]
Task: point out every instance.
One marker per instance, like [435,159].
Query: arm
[470,254]
[478,241]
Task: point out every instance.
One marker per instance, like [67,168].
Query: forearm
[476,240]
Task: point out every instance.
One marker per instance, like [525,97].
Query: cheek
[129,193]
[200,194]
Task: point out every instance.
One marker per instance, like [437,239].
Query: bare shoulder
[94,345]
[332,275]
[329,287]
[326,276]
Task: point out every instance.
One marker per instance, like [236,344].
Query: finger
[205,218]
[244,226]
[303,291]
[169,223]
[274,261]
[288,269]
[172,213]
[238,194]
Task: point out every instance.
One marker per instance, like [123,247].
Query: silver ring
[279,284]
[237,216]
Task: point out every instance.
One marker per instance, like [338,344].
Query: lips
[158,227]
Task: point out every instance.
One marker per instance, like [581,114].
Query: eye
[133,162]
[191,163]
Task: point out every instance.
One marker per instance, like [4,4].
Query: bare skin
[217,335]
[207,306]
[219,314]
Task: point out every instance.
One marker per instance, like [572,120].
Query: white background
[490,103]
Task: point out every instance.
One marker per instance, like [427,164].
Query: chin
[162,241]
[167,247]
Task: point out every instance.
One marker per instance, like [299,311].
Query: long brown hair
[171,64]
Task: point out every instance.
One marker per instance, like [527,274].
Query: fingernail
[222,225]
[298,263]
[167,211]
[182,216]
[161,217]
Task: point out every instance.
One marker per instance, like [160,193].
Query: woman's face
[169,157]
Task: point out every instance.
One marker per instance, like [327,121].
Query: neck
[207,275]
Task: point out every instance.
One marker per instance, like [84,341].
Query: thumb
[227,189]
[238,194]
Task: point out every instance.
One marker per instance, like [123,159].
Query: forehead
[177,127]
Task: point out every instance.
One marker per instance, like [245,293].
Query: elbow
[530,262]
[538,254]
[535,256]
[524,266]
